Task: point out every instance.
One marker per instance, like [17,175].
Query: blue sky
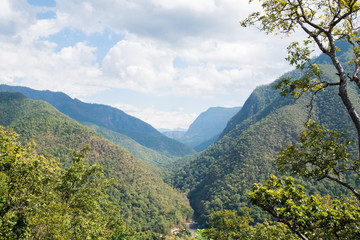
[162,61]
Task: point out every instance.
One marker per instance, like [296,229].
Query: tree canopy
[40,200]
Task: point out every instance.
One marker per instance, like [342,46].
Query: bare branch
[353,190]
[316,92]
[300,234]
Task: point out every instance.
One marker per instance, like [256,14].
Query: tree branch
[301,235]
[284,221]
[316,92]
[357,195]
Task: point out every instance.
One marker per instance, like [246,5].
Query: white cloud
[213,67]
[217,55]
[139,65]
[71,70]
[13,18]
[160,119]
[167,21]
[6,10]
[199,5]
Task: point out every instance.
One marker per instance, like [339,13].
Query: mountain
[146,202]
[107,117]
[207,127]
[222,176]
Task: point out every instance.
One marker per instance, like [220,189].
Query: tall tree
[39,200]
[321,153]
[26,180]
[325,22]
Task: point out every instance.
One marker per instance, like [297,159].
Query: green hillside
[107,117]
[146,202]
[146,154]
[223,175]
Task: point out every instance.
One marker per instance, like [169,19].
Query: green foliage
[39,200]
[310,81]
[270,230]
[200,235]
[311,217]
[83,189]
[230,225]
[24,179]
[321,153]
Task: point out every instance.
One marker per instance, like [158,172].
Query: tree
[310,217]
[321,153]
[232,225]
[82,190]
[229,225]
[325,22]
[40,200]
[25,180]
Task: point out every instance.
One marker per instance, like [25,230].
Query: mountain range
[107,117]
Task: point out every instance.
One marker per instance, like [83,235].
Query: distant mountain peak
[208,126]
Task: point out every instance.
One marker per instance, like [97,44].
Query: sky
[163,61]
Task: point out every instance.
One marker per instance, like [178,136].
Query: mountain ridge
[108,117]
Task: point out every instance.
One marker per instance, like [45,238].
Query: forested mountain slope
[223,175]
[107,117]
[207,127]
[146,202]
[148,155]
